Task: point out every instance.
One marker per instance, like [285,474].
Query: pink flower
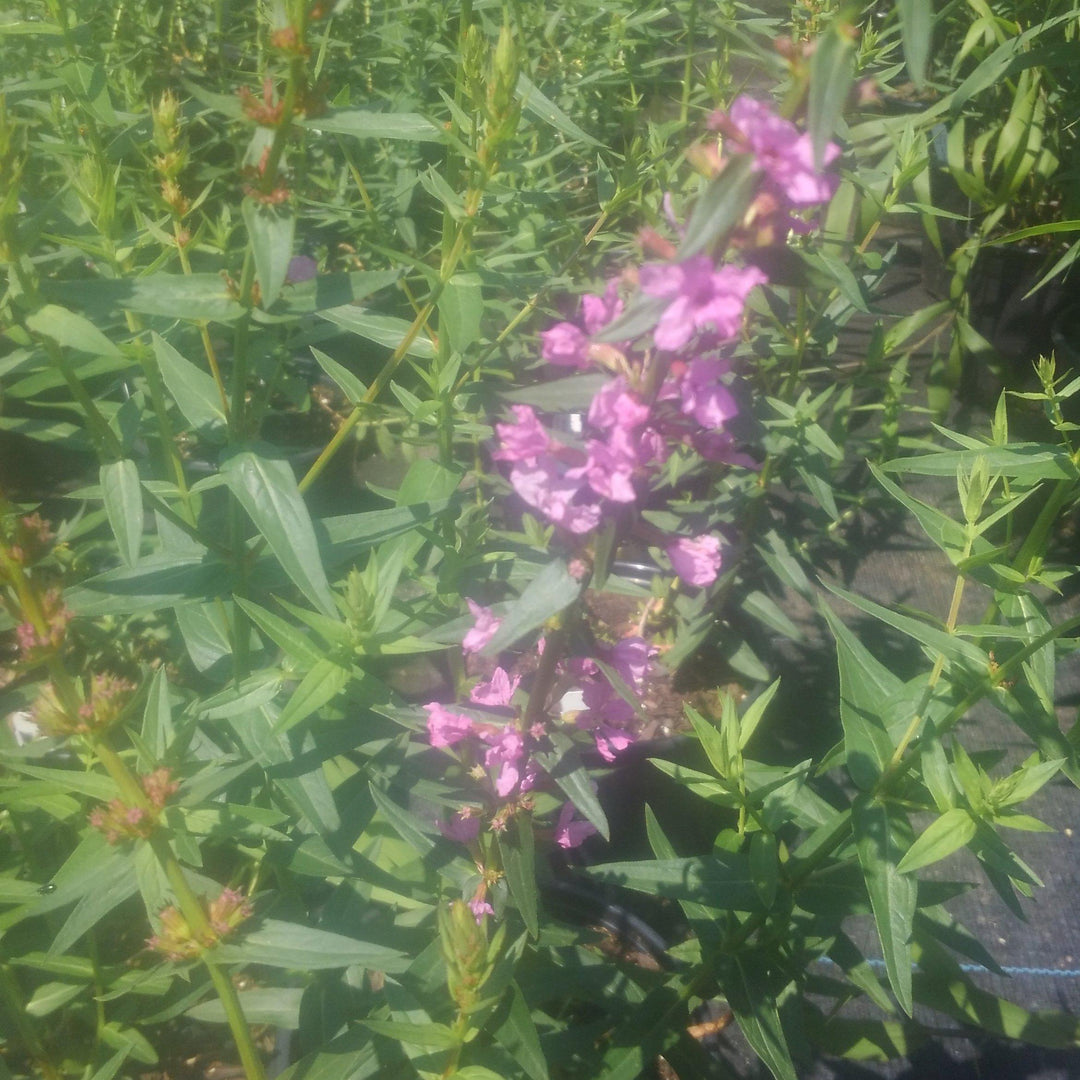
[480,908]
[498,690]
[704,397]
[783,153]
[445,727]
[598,311]
[611,741]
[702,297]
[485,625]
[632,659]
[525,440]
[610,471]
[615,407]
[696,561]
[505,749]
[565,345]
[570,833]
[553,491]
[464,826]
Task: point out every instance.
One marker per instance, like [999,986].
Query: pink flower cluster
[608,715]
[490,734]
[671,385]
[781,152]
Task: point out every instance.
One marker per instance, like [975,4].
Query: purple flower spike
[702,297]
[783,153]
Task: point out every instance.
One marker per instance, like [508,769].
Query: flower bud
[166,115]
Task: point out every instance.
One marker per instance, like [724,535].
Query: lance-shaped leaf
[882,835]
[916,22]
[832,68]
[941,838]
[271,231]
[195,393]
[71,330]
[289,945]
[266,488]
[749,993]
[553,589]
[123,506]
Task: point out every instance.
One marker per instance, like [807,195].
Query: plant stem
[190,906]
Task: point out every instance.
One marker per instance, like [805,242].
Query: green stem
[190,906]
[688,67]
[13,1003]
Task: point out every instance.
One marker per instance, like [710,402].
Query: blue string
[1058,973]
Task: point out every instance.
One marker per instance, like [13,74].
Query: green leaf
[940,984]
[325,291]
[343,378]
[865,1040]
[266,488]
[428,1036]
[71,331]
[946,533]
[720,881]
[518,1036]
[765,866]
[303,948]
[461,308]
[132,1042]
[519,863]
[916,23]
[867,690]
[197,297]
[271,231]
[951,831]
[553,589]
[279,1006]
[195,393]
[716,212]
[123,506]
[368,124]
[559,395]
[157,726]
[754,713]
[51,996]
[540,105]
[96,785]
[564,765]
[159,582]
[406,825]
[1028,462]
[320,685]
[110,889]
[952,647]
[297,645]
[428,481]
[112,1066]
[751,999]
[258,689]
[382,329]
[881,835]
[352,1056]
